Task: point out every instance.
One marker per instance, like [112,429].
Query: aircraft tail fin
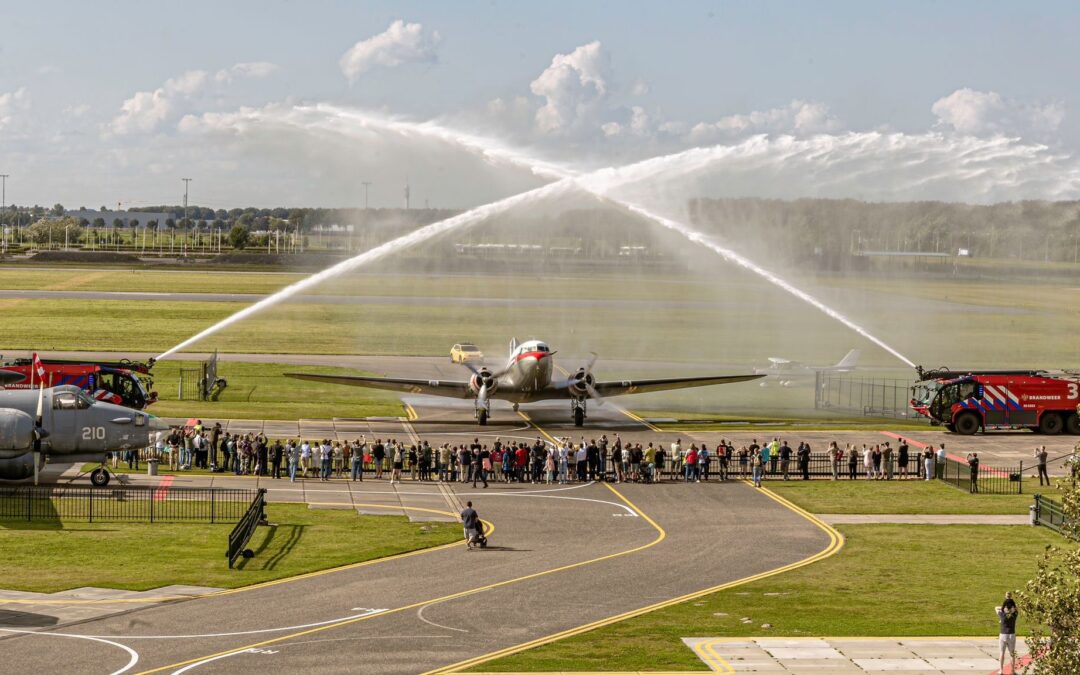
[850,360]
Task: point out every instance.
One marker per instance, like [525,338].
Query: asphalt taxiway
[561,558]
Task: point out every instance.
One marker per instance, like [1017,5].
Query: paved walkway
[922,519]
[26,610]
[851,655]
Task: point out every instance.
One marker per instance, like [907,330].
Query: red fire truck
[125,382]
[966,402]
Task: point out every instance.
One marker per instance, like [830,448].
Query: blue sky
[657,77]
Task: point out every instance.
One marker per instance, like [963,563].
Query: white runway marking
[367,612]
[215,658]
[420,615]
[536,494]
[130,664]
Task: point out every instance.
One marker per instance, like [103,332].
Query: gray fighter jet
[65,425]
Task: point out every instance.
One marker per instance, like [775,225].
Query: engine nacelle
[17,467]
[16,431]
[581,382]
[478,380]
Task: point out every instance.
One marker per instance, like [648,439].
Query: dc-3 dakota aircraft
[785,372]
[526,378]
[66,425]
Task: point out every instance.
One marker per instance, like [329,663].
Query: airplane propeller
[584,378]
[486,379]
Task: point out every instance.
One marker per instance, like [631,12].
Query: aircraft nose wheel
[99,477]
[482,417]
[579,413]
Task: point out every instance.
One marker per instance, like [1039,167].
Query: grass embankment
[888,580]
[261,391]
[141,556]
[901,496]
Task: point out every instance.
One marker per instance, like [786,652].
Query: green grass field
[736,319]
[261,391]
[141,556]
[888,580]
[896,496]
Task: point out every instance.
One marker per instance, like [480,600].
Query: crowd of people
[539,461]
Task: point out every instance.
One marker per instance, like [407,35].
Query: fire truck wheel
[1050,424]
[1072,424]
[967,423]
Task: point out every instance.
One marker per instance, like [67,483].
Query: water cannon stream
[600,184]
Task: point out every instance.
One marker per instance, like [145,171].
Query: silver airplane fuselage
[526,376]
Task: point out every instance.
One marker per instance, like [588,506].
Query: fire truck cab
[115,382]
[1039,400]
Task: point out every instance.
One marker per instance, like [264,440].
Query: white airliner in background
[526,378]
[786,372]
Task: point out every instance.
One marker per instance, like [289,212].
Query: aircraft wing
[451,388]
[646,386]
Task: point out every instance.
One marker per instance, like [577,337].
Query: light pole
[187,182]
[3,208]
[366,184]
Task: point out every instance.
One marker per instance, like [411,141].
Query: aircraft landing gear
[99,477]
[578,408]
[515,406]
[482,413]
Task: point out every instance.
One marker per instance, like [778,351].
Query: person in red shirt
[521,457]
[691,465]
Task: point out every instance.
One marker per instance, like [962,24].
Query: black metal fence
[993,480]
[867,396]
[1049,513]
[124,504]
[241,534]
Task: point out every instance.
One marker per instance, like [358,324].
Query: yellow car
[464,351]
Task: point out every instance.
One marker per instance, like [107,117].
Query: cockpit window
[66,401]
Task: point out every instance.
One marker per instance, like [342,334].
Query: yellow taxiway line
[836,542]
[661,535]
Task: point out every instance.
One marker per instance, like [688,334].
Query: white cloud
[11,104]
[400,43]
[147,110]
[249,69]
[798,117]
[77,110]
[573,86]
[969,111]
[639,125]
[639,88]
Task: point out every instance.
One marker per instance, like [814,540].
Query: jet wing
[431,387]
[665,384]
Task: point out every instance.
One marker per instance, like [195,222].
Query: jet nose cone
[157,424]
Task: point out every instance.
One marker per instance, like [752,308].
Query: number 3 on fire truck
[1074,390]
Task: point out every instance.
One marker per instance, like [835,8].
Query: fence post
[1021,478]
[29,503]
[151,492]
[90,494]
[212,491]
